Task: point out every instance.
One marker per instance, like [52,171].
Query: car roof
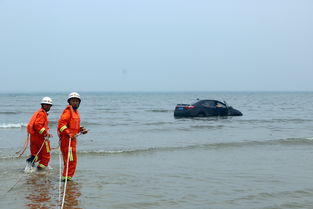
[211,100]
[202,100]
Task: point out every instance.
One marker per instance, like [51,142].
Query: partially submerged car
[205,108]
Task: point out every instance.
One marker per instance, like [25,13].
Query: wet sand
[266,176]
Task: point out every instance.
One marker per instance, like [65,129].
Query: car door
[209,108]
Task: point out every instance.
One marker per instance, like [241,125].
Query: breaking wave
[212,146]
[13,125]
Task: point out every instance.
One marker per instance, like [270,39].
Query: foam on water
[13,125]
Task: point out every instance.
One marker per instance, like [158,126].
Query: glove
[83,130]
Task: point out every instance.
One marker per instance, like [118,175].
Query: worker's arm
[39,124]
[64,122]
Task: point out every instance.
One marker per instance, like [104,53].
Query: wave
[51,123]
[159,110]
[157,123]
[210,146]
[207,126]
[13,125]
[292,120]
[13,157]
[84,123]
[213,146]
[9,113]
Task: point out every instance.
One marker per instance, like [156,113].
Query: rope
[67,164]
[66,176]
[21,152]
[60,169]
[32,162]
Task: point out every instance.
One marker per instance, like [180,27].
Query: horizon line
[163,91]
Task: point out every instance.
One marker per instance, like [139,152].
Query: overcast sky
[156,45]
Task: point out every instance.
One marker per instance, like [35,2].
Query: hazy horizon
[152,92]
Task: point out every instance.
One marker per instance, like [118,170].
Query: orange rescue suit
[38,129]
[69,126]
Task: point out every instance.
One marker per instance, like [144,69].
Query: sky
[156,45]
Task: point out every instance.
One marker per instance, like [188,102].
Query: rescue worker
[38,130]
[68,128]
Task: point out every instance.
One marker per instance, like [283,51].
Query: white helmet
[46,100]
[73,95]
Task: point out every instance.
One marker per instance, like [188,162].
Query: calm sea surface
[137,155]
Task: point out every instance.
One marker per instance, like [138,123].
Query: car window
[218,104]
[208,103]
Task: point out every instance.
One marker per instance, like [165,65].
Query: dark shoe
[30,161]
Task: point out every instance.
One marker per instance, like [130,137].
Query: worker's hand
[48,136]
[83,130]
[68,133]
[71,135]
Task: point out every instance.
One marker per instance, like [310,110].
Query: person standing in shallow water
[38,130]
[68,128]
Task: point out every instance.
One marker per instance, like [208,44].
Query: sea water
[137,155]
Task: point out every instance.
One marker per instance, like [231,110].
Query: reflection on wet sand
[72,195]
[39,191]
[43,192]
